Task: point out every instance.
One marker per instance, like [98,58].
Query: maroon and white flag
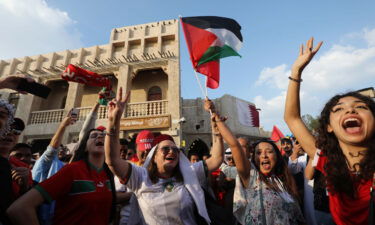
[247,114]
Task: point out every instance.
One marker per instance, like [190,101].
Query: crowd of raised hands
[325,178]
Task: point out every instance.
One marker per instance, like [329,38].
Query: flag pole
[206,87]
[199,83]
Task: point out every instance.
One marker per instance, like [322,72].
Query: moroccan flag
[276,134]
[210,38]
[79,75]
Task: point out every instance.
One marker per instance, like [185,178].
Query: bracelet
[111,133]
[295,80]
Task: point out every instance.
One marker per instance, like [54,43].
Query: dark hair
[191,153]
[284,140]
[338,176]
[280,170]
[124,142]
[152,170]
[82,154]
[21,145]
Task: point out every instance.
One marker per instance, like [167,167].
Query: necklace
[168,186]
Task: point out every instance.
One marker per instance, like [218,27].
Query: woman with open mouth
[346,139]
[83,190]
[168,188]
[265,191]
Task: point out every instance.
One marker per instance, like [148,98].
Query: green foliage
[312,123]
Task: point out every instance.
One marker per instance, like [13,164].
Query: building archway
[154,94]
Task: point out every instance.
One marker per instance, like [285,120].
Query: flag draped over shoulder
[210,38]
[79,75]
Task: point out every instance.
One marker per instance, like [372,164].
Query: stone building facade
[143,59]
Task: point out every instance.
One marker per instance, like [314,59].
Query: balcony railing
[48,116]
[139,109]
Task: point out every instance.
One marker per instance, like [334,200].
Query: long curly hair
[339,178]
[280,170]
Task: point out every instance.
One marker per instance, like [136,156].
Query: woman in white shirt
[168,187]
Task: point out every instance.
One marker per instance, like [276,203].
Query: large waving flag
[210,38]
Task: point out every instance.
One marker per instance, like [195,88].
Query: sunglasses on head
[166,149]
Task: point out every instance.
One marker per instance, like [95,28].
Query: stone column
[174,98]
[74,98]
[26,105]
[124,81]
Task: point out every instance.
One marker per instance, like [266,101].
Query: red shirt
[346,210]
[83,196]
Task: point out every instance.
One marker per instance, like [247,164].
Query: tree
[312,123]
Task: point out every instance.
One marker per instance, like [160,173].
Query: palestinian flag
[210,38]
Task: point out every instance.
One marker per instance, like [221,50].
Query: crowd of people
[321,177]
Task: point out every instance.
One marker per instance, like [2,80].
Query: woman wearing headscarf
[168,187]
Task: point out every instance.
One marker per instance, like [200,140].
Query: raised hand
[12,81]
[117,106]
[21,176]
[306,53]
[209,105]
[70,119]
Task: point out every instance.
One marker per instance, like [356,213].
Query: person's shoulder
[75,166]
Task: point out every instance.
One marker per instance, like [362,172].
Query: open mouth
[352,125]
[170,158]
[266,164]
[99,143]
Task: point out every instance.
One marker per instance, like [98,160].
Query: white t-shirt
[167,202]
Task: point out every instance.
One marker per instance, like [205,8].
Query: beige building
[144,59]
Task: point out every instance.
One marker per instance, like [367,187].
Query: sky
[272,32]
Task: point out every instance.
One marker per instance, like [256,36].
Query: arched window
[154,94]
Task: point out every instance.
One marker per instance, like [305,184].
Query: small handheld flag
[210,38]
[276,134]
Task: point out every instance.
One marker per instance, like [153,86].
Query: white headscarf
[191,182]
[227,154]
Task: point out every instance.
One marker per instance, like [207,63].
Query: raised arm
[309,170]
[112,142]
[242,163]
[217,152]
[12,81]
[57,138]
[292,114]
[43,164]
[89,121]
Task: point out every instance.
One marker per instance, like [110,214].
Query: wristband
[295,80]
